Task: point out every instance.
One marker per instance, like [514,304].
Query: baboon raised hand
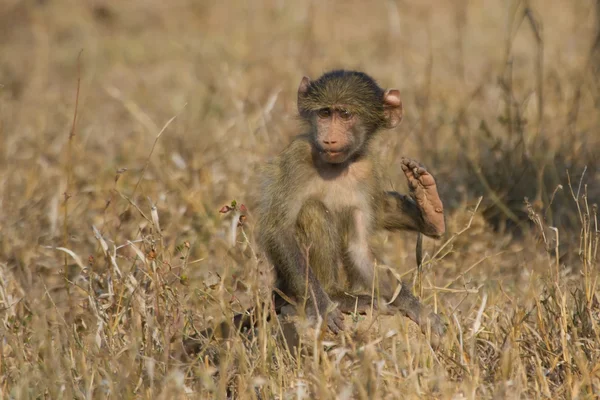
[322,198]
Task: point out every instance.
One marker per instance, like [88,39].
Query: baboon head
[344,110]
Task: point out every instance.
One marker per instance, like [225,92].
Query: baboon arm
[401,212]
[362,258]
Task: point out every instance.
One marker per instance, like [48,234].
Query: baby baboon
[322,198]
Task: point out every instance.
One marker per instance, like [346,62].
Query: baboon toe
[335,321]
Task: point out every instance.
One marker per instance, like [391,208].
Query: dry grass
[112,247]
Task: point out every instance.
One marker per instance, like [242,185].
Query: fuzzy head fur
[355,91]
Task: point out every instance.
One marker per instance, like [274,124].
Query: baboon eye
[324,113]
[345,114]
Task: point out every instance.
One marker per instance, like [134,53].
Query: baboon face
[338,134]
[344,109]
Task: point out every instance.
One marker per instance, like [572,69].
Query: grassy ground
[112,247]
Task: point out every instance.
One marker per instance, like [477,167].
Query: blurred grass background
[112,247]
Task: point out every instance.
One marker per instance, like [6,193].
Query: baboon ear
[304,84]
[392,108]
[302,90]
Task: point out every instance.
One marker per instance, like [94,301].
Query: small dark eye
[345,114]
[324,113]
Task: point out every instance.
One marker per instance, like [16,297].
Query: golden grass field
[113,250]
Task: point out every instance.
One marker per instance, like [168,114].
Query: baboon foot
[437,326]
[332,317]
[424,190]
[335,320]
[431,323]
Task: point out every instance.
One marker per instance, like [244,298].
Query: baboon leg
[362,270]
[317,231]
[412,308]
[407,304]
[357,304]
[315,236]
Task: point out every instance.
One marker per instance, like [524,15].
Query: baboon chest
[344,197]
[343,193]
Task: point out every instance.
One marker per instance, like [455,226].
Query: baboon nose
[330,141]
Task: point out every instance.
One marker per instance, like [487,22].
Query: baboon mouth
[331,152]
[334,156]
